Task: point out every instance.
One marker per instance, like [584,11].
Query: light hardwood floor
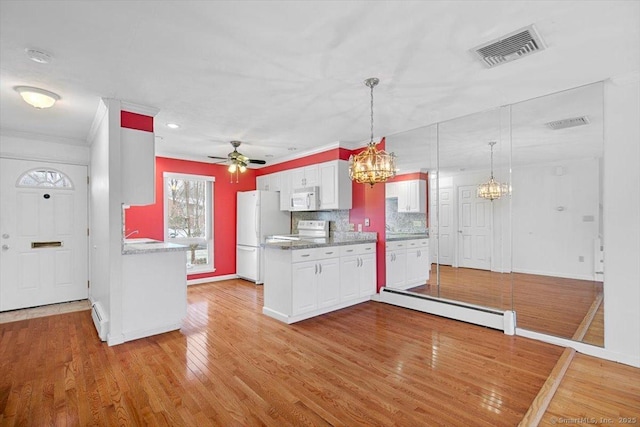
[371,364]
[551,305]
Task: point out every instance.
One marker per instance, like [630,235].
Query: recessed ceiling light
[292,148]
[37,97]
[38,56]
[173,125]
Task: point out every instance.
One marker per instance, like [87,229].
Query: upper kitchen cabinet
[271,182]
[411,194]
[335,185]
[304,177]
[138,164]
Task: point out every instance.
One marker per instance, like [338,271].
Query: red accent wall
[149,220]
[325,156]
[368,202]
[136,121]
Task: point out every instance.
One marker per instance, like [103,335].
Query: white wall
[556,218]
[622,220]
[39,147]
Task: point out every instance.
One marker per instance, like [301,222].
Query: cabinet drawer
[401,244]
[314,254]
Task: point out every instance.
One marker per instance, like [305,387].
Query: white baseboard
[211,279]
[297,318]
[556,274]
[134,335]
[581,347]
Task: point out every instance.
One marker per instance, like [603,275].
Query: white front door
[474,229]
[43,233]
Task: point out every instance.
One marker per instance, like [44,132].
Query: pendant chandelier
[372,166]
[492,189]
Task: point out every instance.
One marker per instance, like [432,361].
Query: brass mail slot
[35,245]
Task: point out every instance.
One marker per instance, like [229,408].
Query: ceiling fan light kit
[372,166]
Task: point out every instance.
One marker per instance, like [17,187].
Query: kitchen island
[154,276]
[307,278]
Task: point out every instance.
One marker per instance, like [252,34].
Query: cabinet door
[274,181]
[297,178]
[262,183]
[368,275]
[396,268]
[349,277]
[303,289]
[138,167]
[285,191]
[413,266]
[328,282]
[311,176]
[328,185]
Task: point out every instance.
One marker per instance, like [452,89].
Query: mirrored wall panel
[558,241]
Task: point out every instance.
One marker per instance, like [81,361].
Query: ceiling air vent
[515,45]
[568,123]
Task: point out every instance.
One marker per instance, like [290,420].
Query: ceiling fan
[238,160]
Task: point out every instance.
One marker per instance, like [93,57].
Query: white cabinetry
[335,185]
[138,160]
[270,182]
[357,271]
[331,177]
[304,177]
[412,195]
[302,283]
[408,263]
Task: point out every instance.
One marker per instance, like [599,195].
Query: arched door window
[48,178]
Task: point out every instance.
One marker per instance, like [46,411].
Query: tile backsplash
[338,219]
[403,222]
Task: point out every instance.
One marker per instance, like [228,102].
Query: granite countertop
[339,239]
[394,237]
[146,246]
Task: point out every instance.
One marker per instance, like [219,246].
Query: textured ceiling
[281,75]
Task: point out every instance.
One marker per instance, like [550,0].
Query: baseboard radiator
[496,319]
[100,320]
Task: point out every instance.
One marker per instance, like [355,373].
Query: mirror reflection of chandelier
[372,166]
[492,189]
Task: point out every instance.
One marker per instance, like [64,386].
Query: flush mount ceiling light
[36,97]
[492,189]
[372,166]
[173,125]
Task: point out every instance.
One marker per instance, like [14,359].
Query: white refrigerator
[259,216]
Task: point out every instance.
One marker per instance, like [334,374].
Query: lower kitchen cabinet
[408,263]
[302,283]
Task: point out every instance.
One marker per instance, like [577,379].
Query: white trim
[580,347]
[143,333]
[297,318]
[187,176]
[41,137]
[211,279]
[138,109]
[554,274]
[101,112]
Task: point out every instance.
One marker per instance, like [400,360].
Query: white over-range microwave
[305,199]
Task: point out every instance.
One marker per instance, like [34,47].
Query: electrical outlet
[359,227]
[366,222]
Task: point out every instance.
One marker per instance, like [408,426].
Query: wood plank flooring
[368,365]
[552,305]
[608,394]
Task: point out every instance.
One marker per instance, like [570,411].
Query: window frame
[209,215]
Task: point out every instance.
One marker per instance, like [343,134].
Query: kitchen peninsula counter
[336,240]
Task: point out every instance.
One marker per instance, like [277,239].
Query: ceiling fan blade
[217,157]
[257,162]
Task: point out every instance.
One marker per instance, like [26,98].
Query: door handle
[320,265]
[240,248]
[316,265]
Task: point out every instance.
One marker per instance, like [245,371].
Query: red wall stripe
[325,156]
[136,121]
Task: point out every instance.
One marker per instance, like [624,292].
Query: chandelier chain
[371,140]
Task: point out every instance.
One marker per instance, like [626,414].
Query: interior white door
[43,229]
[446,232]
[474,223]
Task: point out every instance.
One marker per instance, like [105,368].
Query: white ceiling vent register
[515,45]
[568,123]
